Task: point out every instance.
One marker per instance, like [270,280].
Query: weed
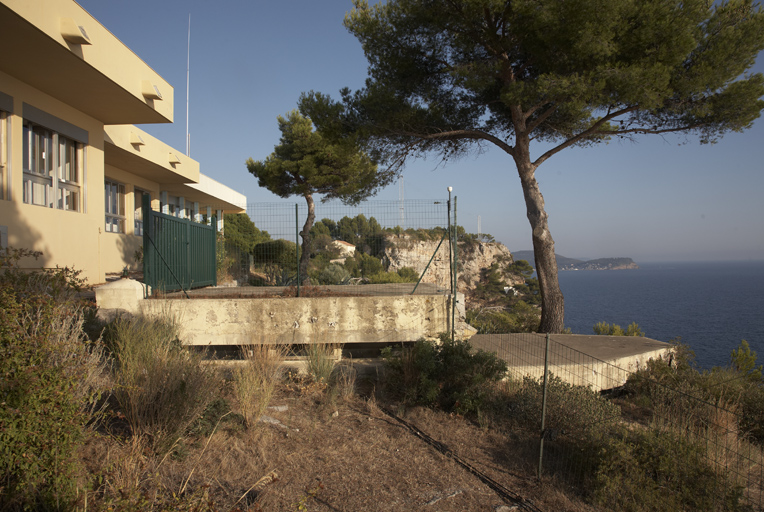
[344,380]
[320,361]
[255,381]
[310,494]
[162,387]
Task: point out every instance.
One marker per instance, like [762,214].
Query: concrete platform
[361,290]
[602,362]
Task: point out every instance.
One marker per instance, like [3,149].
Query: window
[52,168]
[114,200]
[138,203]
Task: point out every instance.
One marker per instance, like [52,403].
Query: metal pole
[543,405]
[455,274]
[450,247]
[450,259]
[297,243]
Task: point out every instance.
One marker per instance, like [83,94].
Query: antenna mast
[188,75]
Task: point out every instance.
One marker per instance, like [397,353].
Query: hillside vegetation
[123,416]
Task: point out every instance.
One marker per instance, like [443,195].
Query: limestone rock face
[406,251]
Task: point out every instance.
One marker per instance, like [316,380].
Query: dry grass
[255,381]
[321,361]
[161,386]
[323,455]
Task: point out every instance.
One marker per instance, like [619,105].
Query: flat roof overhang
[127,161]
[130,149]
[212,193]
[32,56]
[193,194]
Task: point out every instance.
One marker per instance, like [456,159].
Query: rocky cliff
[405,251]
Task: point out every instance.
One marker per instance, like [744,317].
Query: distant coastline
[565,263]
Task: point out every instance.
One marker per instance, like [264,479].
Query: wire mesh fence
[349,246]
[659,445]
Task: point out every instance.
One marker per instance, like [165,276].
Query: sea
[709,306]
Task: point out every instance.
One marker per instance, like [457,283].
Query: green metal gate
[178,254]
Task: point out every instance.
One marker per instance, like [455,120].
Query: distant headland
[564,263]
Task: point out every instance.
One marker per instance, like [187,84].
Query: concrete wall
[602,362]
[286,320]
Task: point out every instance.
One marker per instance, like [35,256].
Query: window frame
[53,167]
[138,209]
[114,206]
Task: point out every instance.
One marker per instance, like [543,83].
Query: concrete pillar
[181,207]
[220,220]
[163,202]
[197,215]
[209,215]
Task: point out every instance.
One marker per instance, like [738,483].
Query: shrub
[410,373]
[49,374]
[255,381]
[333,274]
[450,374]
[576,412]
[605,329]
[644,470]
[408,274]
[674,390]
[162,387]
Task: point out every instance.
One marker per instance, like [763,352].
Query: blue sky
[660,199]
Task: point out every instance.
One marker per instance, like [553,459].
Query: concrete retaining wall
[287,320]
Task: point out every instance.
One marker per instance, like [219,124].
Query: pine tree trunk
[306,241]
[552,301]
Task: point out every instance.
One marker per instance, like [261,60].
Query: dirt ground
[327,453]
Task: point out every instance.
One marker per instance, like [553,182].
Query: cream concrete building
[73,168]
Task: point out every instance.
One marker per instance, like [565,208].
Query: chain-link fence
[377,247]
[659,439]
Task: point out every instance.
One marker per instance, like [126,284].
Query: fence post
[214,251]
[189,270]
[455,274]
[543,405]
[297,243]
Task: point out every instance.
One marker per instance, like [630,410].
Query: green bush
[409,274]
[577,412]
[411,372]
[646,470]
[48,384]
[606,329]
[333,274]
[279,253]
[449,374]
[404,275]
[676,389]
[161,386]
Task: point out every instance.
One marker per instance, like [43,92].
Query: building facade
[73,167]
